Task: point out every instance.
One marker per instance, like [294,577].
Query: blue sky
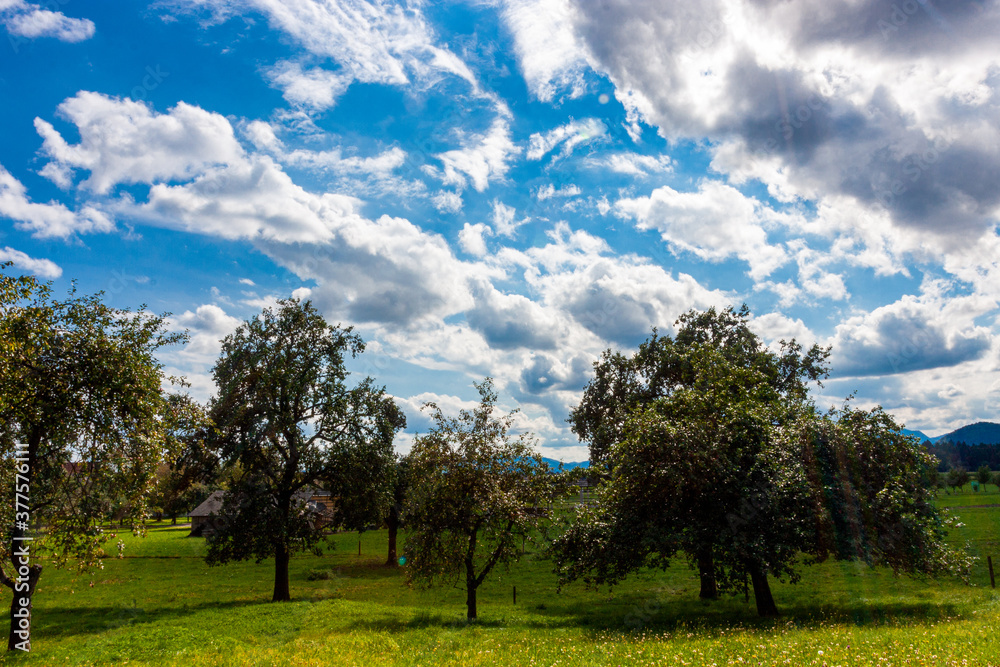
[508,188]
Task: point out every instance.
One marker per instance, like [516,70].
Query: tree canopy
[80,388]
[285,414]
[721,455]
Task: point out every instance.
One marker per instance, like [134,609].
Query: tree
[475,493]
[662,367]
[695,471]
[996,480]
[983,475]
[287,421]
[734,461]
[957,478]
[80,392]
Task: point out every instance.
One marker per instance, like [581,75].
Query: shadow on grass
[72,621]
[632,614]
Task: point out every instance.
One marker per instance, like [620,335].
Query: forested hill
[980,433]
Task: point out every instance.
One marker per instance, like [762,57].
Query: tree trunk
[393,523]
[762,592]
[470,600]
[706,572]
[470,578]
[281,592]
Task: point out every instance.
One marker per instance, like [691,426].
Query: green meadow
[161,605]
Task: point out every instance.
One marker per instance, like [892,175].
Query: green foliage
[957,477]
[287,418]
[663,366]
[983,475]
[730,463]
[80,386]
[475,493]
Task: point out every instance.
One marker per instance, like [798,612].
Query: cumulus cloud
[714,223]
[838,100]
[912,334]
[43,268]
[207,325]
[510,321]
[618,298]
[46,220]
[30,21]
[124,141]
[471,238]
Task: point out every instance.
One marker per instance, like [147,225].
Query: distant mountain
[920,434]
[980,433]
[567,466]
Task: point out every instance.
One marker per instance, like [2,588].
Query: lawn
[163,606]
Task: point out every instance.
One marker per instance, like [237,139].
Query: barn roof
[212,505]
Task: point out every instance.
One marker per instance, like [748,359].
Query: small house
[203,517]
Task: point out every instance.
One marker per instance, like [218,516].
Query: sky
[507,188]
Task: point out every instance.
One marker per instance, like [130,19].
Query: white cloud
[481,158]
[312,87]
[123,141]
[251,199]
[371,42]
[570,135]
[30,21]
[447,202]
[818,102]
[43,268]
[471,240]
[504,223]
[934,330]
[633,164]
[714,223]
[46,220]
[549,191]
[551,57]
[207,325]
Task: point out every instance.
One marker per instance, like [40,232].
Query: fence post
[515,592]
[989,562]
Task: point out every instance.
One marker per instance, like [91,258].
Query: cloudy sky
[509,187]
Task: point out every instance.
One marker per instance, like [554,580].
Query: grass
[163,606]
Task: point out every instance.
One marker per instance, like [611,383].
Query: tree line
[705,446]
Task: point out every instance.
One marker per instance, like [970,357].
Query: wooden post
[515,591]
[989,562]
